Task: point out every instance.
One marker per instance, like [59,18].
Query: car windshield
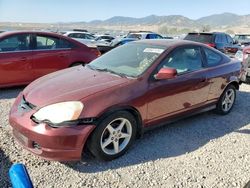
[129,60]
[200,37]
[242,37]
[134,36]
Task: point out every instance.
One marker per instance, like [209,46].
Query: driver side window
[184,60]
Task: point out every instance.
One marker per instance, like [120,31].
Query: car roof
[7,33]
[169,42]
[242,34]
[207,33]
[143,33]
[68,32]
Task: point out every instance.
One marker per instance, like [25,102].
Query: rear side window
[224,38]
[77,35]
[19,42]
[218,39]
[153,36]
[212,57]
[87,36]
[134,36]
[47,42]
[200,37]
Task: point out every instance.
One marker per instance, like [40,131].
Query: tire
[113,136]
[226,101]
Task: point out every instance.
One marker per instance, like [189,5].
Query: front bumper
[59,144]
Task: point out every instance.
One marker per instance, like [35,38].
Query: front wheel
[113,136]
[227,100]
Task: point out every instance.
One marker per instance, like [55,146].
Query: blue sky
[87,10]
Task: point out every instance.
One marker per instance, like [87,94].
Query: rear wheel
[113,136]
[227,100]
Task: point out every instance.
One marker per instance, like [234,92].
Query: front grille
[25,105]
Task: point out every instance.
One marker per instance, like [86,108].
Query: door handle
[23,59]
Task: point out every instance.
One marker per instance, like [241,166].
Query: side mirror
[166,73]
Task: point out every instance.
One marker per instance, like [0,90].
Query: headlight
[60,112]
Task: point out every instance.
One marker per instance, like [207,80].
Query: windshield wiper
[108,70]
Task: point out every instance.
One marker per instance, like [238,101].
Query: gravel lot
[207,150]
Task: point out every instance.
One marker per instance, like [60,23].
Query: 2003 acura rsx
[104,105]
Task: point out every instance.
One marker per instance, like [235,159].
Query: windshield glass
[128,60]
[200,37]
[134,36]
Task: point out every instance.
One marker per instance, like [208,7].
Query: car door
[220,41]
[224,43]
[216,74]
[49,55]
[15,60]
[189,89]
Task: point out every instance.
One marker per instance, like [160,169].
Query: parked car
[220,41]
[132,36]
[83,37]
[28,55]
[143,35]
[242,39]
[105,105]
[104,48]
[244,56]
[104,38]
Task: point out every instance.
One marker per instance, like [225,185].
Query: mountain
[224,19]
[173,20]
[216,20]
[164,24]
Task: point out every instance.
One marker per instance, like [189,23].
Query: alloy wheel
[228,101]
[116,136]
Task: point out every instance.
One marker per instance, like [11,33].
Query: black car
[218,40]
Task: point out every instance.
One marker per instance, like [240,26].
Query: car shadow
[243,131]
[9,93]
[5,165]
[175,139]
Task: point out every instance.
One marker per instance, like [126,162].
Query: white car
[83,37]
[104,38]
[144,35]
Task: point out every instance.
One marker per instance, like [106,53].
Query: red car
[244,56]
[28,55]
[108,103]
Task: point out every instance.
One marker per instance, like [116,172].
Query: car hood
[70,85]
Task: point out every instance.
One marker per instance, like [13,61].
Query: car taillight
[211,45]
[96,52]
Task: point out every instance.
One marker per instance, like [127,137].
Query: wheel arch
[75,63]
[234,83]
[129,109]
